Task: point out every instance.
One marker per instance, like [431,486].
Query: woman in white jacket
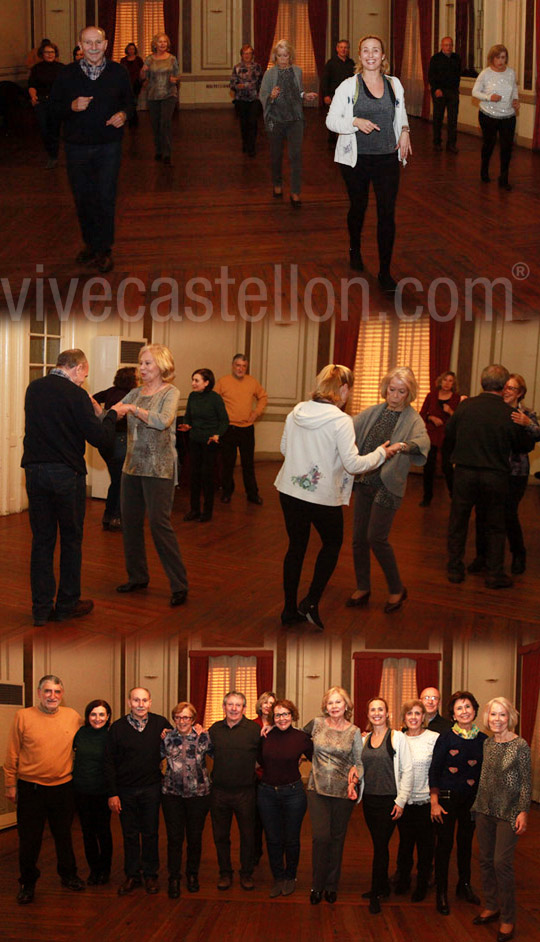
[368,113]
[314,482]
[385,789]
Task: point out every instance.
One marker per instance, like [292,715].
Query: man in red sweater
[37,774]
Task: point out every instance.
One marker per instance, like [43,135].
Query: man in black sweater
[338,68]
[93,98]
[133,774]
[444,77]
[236,741]
[60,419]
[480,436]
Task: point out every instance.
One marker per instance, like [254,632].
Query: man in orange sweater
[245,401]
[37,774]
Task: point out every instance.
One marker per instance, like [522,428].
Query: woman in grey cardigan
[378,494]
[281,98]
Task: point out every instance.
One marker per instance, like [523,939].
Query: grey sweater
[409,428]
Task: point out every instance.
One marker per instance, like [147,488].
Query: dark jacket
[335,72]
[110,93]
[481,434]
[444,72]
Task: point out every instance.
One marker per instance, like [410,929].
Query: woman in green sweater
[206,420]
[91,791]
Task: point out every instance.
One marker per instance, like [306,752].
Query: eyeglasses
[431,698]
[281,716]
[182,717]
[512,388]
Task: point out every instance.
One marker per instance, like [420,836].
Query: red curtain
[264,27]
[530,688]
[536,132]
[399,22]
[107,22]
[425,15]
[265,672]
[427,671]
[441,336]
[318,18]
[171,18]
[198,671]
[462,29]
[367,683]
[346,339]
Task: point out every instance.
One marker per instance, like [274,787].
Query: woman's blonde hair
[513,714]
[154,42]
[405,375]
[344,695]
[385,65]
[329,382]
[369,724]
[285,44]
[496,51]
[163,359]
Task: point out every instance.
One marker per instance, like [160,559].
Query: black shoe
[74,883]
[419,893]
[395,606]
[484,176]
[131,586]
[204,518]
[359,602]
[178,598]
[85,256]
[425,502]
[192,883]
[192,515]
[247,882]
[225,498]
[374,905]
[104,262]
[315,897]
[151,885]
[173,891]
[355,260]
[478,565]
[519,563]
[293,617]
[310,610]
[26,893]
[505,936]
[485,920]
[502,581]
[330,896]
[256,499]
[129,884]
[466,892]
[83,607]
[386,282]
[277,194]
[40,620]
[104,877]
[455,577]
[505,185]
[115,526]
[442,903]
[296,203]
[93,878]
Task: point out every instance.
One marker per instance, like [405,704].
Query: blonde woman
[378,494]
[161,72]
[496,90]
[150,473]
[315,481]
[368,112]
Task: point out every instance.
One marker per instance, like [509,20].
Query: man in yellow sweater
[245,401]
[37,774]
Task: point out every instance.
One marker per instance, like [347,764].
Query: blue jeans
[56,500]
[282,811]
[93,175]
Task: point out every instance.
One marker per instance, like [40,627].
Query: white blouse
[491,83]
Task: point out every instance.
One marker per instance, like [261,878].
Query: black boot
[442,902]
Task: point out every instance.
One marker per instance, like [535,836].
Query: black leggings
[505,128]
[328,521]
[382,170]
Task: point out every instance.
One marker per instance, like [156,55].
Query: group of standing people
[429,777]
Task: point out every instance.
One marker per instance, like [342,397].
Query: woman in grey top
[368,113]
[501,808]
[161,73]
[281,97]
[150,473]
[337,749]
[378,494]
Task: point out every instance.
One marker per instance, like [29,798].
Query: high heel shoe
[394,606]
[358,602]
[485,920]
[296,203]
[277,194]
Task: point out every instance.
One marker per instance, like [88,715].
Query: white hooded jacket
[321,457]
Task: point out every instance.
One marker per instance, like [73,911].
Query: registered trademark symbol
[520,271]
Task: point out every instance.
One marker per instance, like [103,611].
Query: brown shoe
[129,884]
[225,881]
[246,883]
[83,607]
[151,885]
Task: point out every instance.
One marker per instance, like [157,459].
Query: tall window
[384,344]
[398,684]
[229,673]
[137,21]
[44,344]
[293,24]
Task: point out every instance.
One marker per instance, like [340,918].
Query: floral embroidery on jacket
[309,481]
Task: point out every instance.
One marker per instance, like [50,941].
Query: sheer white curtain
[293,24]
[229,673]
[398,684]
[411,70]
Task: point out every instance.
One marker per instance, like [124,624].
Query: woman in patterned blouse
[185,795]
[244,85]
[501,808]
